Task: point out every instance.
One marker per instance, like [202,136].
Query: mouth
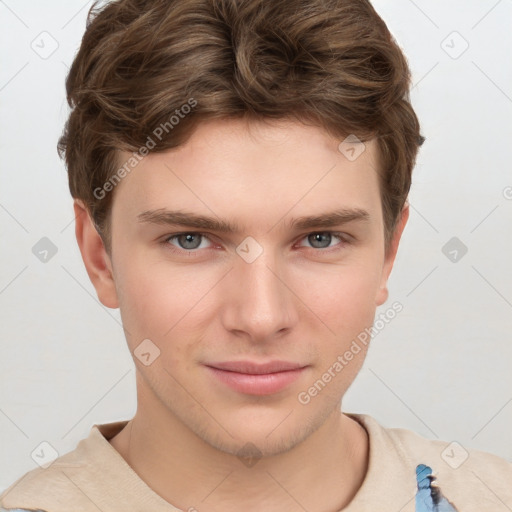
[256,378]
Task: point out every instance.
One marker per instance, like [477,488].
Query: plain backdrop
[442,367]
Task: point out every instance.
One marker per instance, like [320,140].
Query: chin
[255,445]
[253,434]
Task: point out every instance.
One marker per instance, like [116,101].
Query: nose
[260,303]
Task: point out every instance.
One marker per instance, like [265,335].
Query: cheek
[343,297]
[160,302]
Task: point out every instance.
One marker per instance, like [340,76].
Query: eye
[321,240]
[186,241]
[190,242]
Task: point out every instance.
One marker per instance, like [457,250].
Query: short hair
[160,67]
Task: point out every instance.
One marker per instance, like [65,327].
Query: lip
[256,378]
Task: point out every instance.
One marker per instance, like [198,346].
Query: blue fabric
[429,497]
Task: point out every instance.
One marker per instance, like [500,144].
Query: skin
[301,300]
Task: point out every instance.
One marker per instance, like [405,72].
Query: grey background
[442,367]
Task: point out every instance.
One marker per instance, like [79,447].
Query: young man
[240,172]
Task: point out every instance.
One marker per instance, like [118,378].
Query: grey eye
[320,238]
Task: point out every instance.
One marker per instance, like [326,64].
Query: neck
[322,473]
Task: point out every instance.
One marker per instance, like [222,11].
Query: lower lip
[264,384]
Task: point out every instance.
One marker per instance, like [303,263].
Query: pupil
[318,237]
[189,239]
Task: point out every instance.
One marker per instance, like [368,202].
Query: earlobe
[97,261]
[383,293]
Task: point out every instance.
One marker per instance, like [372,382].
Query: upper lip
[252,368]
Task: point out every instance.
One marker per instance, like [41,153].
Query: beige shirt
[95,478]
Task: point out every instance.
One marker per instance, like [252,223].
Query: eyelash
[344,240]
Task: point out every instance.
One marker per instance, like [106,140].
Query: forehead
[253,170]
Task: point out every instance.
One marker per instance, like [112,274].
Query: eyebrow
[192,220]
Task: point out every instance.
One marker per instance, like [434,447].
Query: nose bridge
[261,304]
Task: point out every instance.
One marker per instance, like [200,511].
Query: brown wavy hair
[329,63]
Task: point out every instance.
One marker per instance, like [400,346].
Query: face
[240,323]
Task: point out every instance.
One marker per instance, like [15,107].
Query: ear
[97,261]
[389,258]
